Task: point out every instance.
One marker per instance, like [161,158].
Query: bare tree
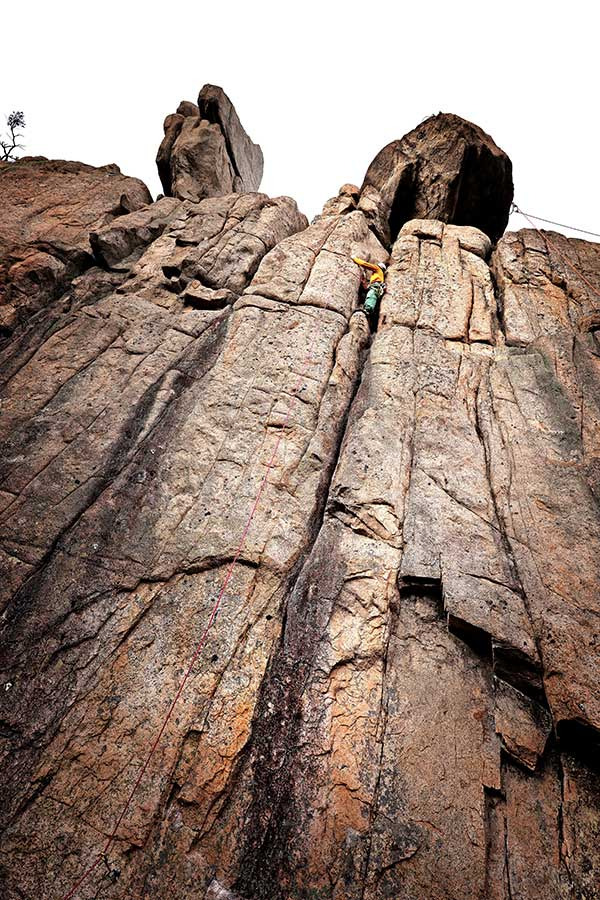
[10,143]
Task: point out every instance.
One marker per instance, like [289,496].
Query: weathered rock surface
[49,208]
[206,152]
[399,694]
[117,241]
[346,201]
[446,169]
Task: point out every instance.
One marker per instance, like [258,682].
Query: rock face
[446,169]
[206,152]
[49,208]
[370,556]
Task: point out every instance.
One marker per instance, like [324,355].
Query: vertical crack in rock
[277,731]
[509,662]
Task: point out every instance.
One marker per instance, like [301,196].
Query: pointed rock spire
[206,152]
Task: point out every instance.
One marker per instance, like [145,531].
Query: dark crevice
[474,637]
[430,589]
[209,110]
[498,296]
[497,792]
[520,670]
[171,271]
[403,204]
[494,824]
[561,813]
[477,192]
[272,751]
[206,305]
[581,740]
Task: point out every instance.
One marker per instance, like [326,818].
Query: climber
[376,285]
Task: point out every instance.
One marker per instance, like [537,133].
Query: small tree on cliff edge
[10,140]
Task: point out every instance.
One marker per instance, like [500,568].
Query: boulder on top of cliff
[346,201]
[49,207]
[206,152]
[446,169]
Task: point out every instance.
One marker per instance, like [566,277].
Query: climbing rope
[515,208]
[102,856]
[549,242]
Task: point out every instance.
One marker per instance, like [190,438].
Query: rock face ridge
[399,694]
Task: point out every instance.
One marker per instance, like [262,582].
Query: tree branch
[14,121]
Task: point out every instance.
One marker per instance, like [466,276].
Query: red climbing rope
[556,249]
[201,642]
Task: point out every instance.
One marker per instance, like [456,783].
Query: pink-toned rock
[206,152]
[397,695]
[446,169]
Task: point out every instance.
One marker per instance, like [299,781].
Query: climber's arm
[367,265]
[373,267]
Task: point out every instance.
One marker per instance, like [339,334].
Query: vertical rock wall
[398,696]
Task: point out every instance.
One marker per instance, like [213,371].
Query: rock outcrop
[206,152]
[49,208]
[446,169]
[385,540]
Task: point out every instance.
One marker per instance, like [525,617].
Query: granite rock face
[206,152]
[385,539]
[446,169]
[49,208]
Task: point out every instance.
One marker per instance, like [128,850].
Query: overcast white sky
[321,86]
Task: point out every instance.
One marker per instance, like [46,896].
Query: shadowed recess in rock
[446,169]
